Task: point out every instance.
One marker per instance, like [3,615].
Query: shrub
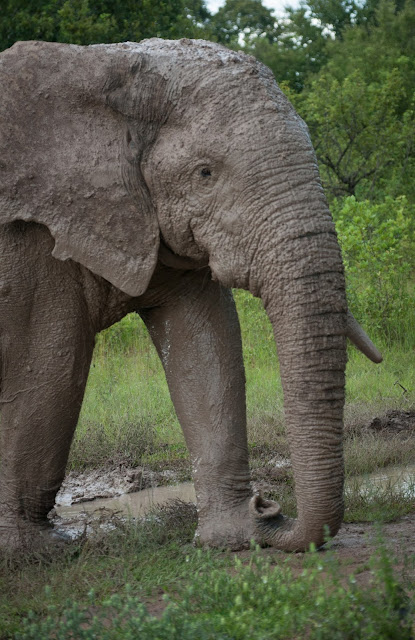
[378,246]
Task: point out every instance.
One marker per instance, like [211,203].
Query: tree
[334,15]
[359,138]
[360,106]
[27,20]
[79,24]
[94,21]
[297,51]
[373,47]
[241,21]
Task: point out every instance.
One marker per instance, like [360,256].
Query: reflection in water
[132,504]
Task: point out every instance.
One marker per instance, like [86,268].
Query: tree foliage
[378,246]
[360,105]
[359,135]
[242,21]
[95,21]
[297,51]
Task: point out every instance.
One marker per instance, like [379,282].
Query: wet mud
[394,421]
[90,499]
[123,492]
[109,483]
[135,504]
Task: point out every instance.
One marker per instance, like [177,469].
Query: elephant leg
[198,339]
[46,344]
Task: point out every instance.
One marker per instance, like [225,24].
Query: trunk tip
[263,509]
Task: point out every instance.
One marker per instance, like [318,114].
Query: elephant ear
[75,123]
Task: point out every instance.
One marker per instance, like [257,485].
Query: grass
[150,554]
[376,504]
[370,452]
[209,595]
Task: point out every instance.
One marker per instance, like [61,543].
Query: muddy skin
[153,177]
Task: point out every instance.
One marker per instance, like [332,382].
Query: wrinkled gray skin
[152,177]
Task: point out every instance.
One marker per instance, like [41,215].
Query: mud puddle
[134,504]
[89,500]
[92,497]
[399,478]
[78,512]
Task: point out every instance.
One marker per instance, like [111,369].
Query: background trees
[95,21]
[241,22]
[360,106]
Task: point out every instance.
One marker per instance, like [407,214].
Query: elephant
[153,177]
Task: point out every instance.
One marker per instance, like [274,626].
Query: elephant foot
[231,529]
[19,535]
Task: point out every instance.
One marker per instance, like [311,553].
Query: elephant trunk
[307,308]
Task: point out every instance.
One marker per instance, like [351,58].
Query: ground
[353,545]
[156,556]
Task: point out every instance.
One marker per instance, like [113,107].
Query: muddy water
[399,478]
[132,504]
[140,502]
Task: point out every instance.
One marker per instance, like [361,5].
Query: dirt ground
[394,422]
[355,543]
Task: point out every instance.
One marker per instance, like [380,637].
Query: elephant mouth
[170,259]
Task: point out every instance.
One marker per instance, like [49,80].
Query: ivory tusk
[362,341]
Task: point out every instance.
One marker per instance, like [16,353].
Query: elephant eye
[205,176]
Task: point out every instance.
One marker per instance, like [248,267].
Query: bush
[378,246]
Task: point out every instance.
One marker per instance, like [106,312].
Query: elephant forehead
[231,111]
[236,138]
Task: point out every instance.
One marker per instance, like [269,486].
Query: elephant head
[116,147]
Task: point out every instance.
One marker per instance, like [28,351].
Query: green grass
[127,411]
[376,504]
[369,452]
[216,598]
[80,591]
[151,555]
[385,385]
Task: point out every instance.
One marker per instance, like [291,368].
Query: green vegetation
[127,415]
[378,245]
[208,594]
[95,21]
[151,555]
